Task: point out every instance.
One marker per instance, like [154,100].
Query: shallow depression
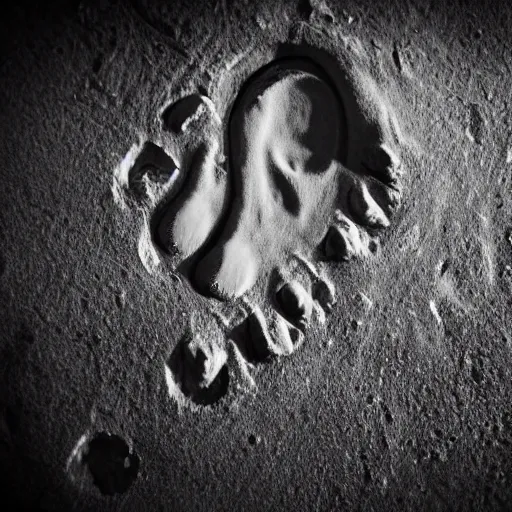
[285,133]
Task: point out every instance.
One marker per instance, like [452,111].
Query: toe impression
[277,339]
[296,304]
[365,209]
[383,164]
[345,241]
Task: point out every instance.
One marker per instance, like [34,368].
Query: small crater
[305,9]
[387,414]
[311,10]
[444,267]
[96,339]
[254,440]
[355,324]
[328,17]
[152,168]
[112,465]
[120,300]
[476,373]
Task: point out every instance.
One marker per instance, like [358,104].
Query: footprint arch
[287,135]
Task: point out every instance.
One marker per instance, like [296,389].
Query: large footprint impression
[313,173]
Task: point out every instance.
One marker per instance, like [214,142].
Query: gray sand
[351,205]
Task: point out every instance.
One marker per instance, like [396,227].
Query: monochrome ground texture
[256,255]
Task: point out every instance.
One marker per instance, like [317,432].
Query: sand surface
[256,256]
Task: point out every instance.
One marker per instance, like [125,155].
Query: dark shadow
[112,466]
[320,134]
[253,348]
[305,9]
[289,195]
[152,162]
[335,246]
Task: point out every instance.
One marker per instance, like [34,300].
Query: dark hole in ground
[305,9]
[444,267]
[254,440]
[111,464]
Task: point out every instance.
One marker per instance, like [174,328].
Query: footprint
[313,174]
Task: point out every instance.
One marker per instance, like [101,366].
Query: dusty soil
[403,402]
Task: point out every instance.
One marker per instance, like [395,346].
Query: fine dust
[256,255]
